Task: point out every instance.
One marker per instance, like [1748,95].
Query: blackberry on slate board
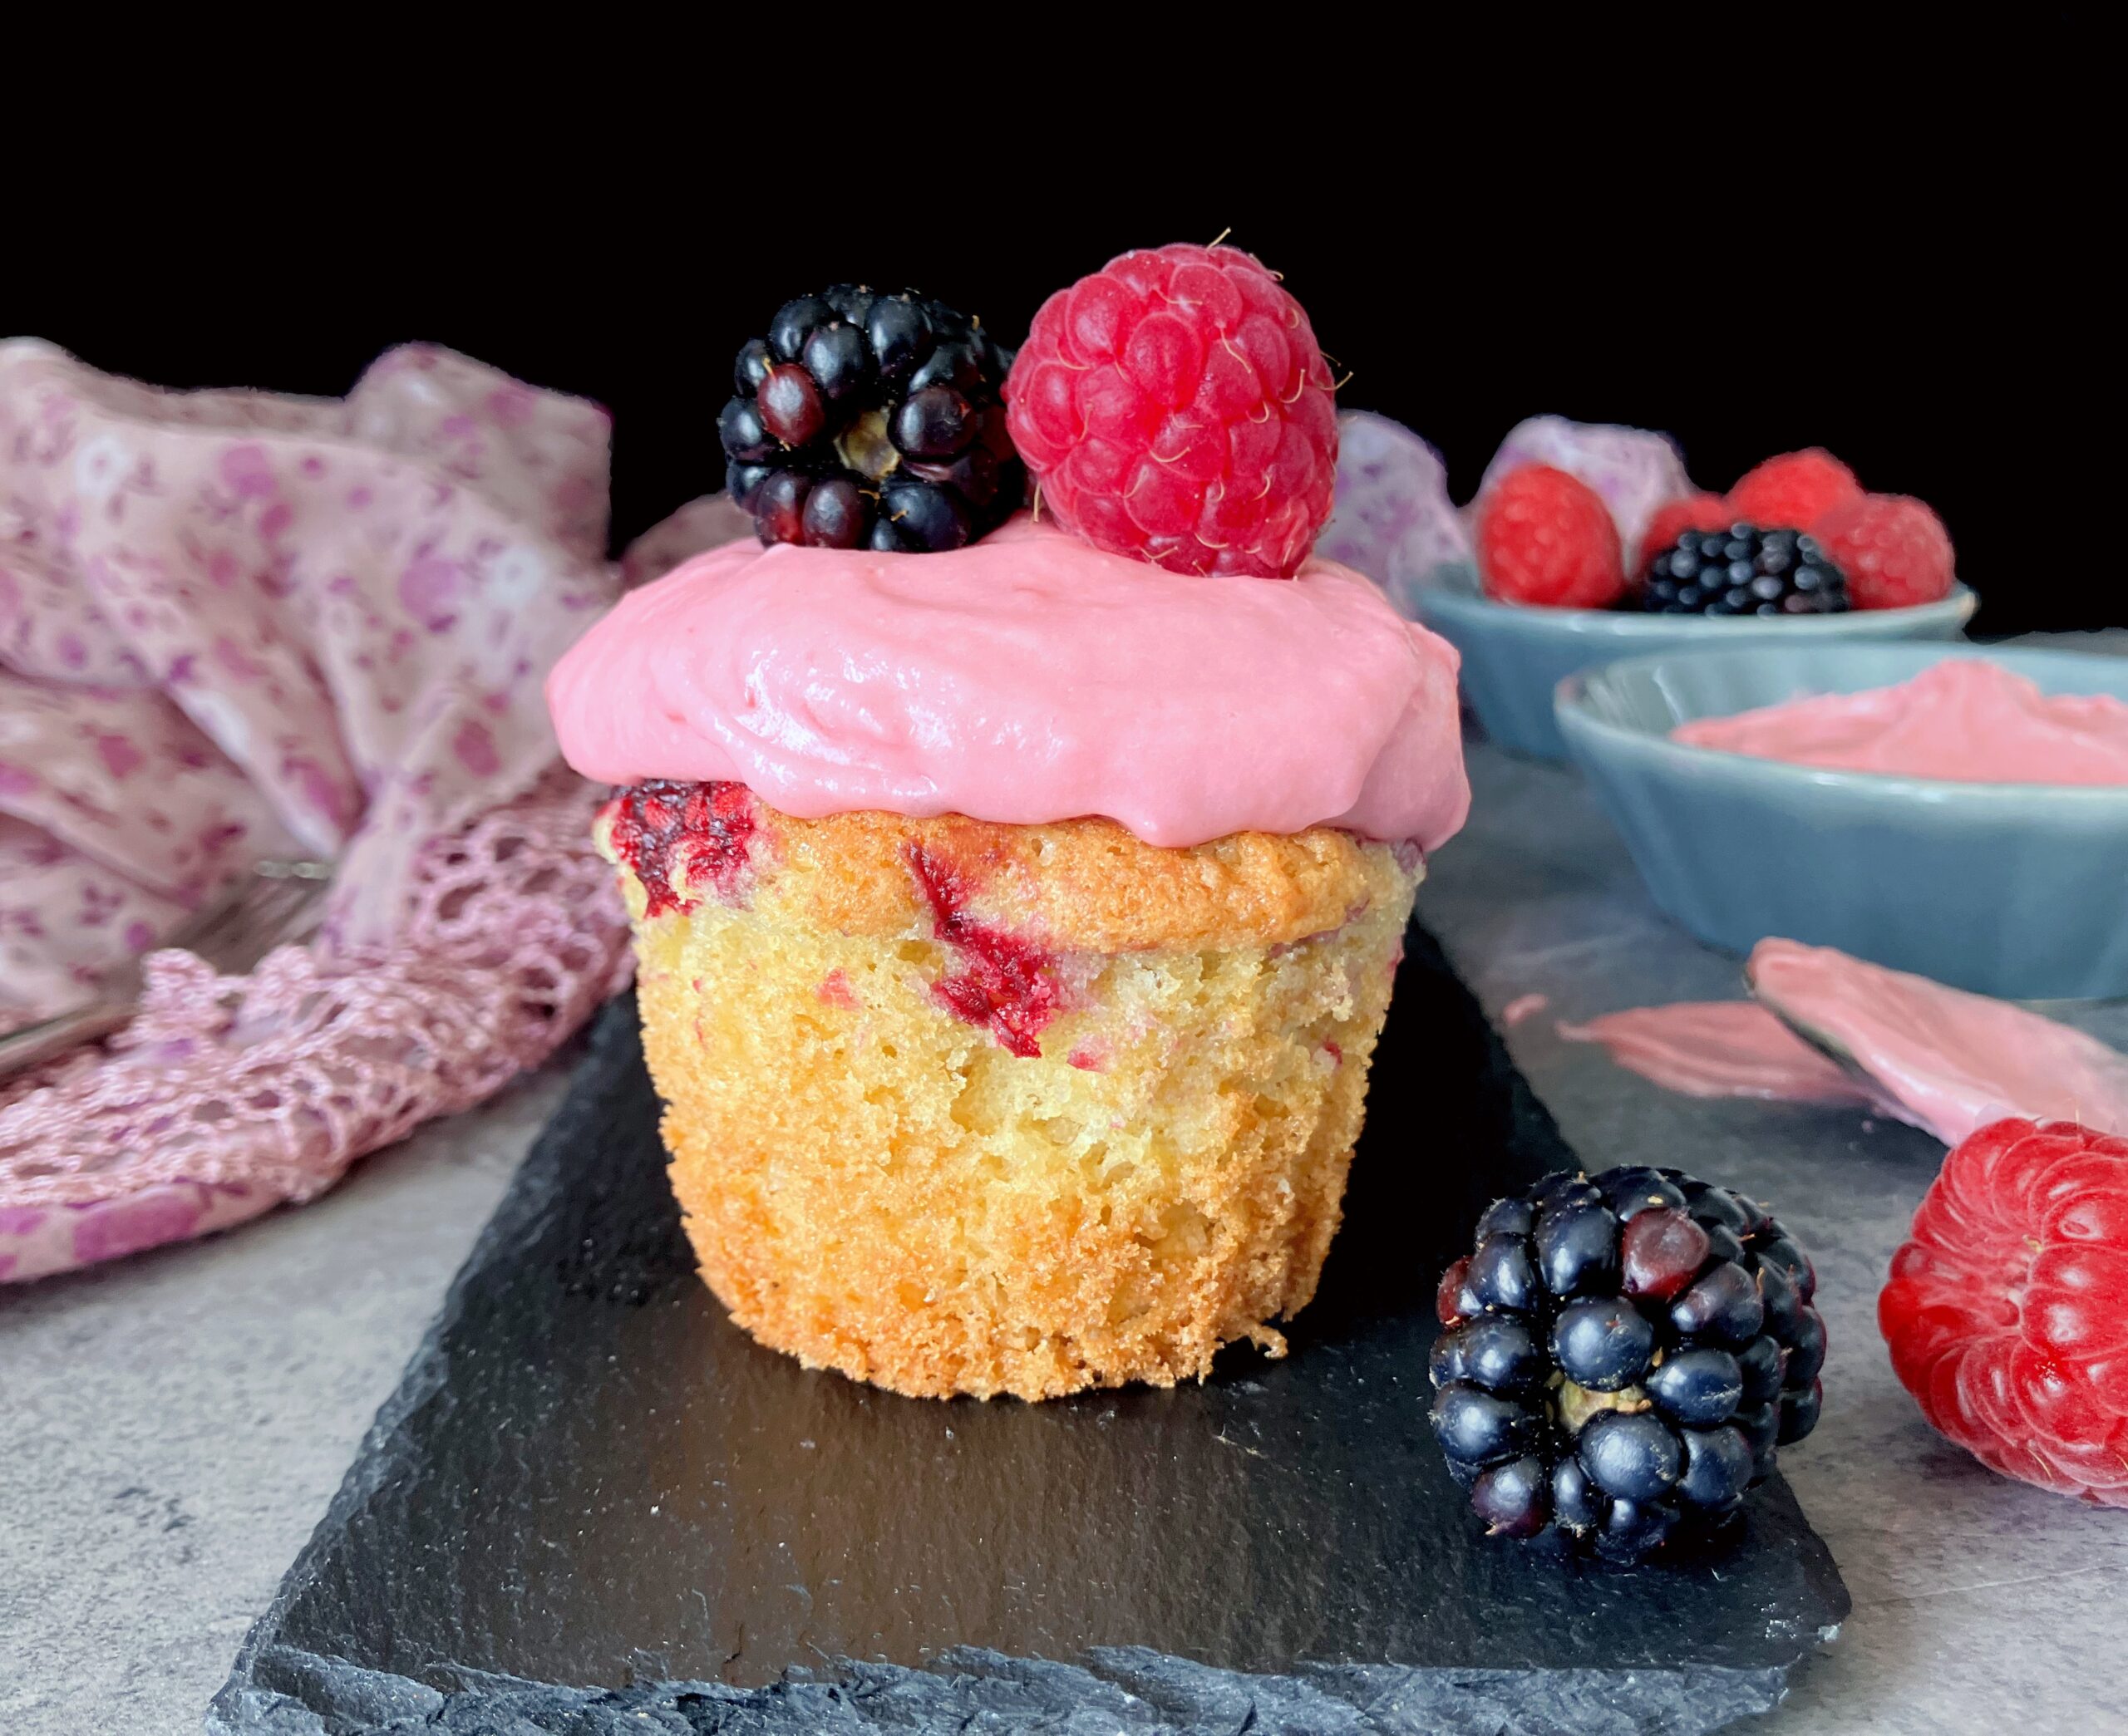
[865,420]
[1743,571]
[1623,1353]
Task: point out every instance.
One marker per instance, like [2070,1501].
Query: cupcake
[1015,921]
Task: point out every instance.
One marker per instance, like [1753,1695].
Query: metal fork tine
[264,915]
[295,914]
[280,901]
[205,921]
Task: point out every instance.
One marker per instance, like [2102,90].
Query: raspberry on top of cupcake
[1178,418]
[1176,407]
[1017,897]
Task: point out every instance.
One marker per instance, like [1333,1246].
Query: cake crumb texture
[879,1179]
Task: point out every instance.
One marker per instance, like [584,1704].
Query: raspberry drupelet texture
[2007,1313]
[1674,518]
[1792,491]
[1175,407]
[1545,537]
[1893,550]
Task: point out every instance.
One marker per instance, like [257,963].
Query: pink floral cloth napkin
[236,625]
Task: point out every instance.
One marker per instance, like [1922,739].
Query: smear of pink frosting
[1955,1060]
[1722,1049]
[1962,718]
[1945,1061]
[1027,678]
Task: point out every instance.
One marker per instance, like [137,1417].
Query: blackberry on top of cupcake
[865,420]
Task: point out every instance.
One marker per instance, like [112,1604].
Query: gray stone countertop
[172,1427]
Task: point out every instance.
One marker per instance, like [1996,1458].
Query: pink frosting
[1956,1060]
[1962,718]
[1723,1049]
[1943,1060]
[1028,678]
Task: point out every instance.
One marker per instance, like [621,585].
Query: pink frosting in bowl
[1027,678]
[1963,719]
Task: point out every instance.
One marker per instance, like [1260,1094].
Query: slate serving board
[595,1505]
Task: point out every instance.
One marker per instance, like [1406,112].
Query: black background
[1875,253]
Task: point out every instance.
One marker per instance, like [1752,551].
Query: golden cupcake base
[963,1108]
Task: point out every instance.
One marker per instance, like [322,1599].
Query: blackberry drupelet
[1623,1353]
[1743,571]
[871,420]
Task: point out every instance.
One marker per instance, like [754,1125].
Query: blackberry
[871,421]
[1623,1353]
[1743,571]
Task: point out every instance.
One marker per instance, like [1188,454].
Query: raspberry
[1793,490]
[2008,1310]
[1174,406]
[1546,537]
[1674,518]
[1893,550]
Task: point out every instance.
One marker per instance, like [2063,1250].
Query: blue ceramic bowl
[2018,890]
[1514,657]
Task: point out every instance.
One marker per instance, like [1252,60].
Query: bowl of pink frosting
[1959,813]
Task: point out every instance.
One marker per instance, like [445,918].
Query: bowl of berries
[1565,578]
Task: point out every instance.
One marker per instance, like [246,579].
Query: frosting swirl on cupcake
[1027,679]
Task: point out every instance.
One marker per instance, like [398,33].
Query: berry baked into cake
[1017,894]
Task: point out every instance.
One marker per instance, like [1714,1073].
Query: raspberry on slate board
[865,419]
[1623,1353]
[2007,1313]
[1742,570]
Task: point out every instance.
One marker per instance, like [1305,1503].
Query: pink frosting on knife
[1030,677]
[1943,1060]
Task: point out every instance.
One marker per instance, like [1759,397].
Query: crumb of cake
[924,1207]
